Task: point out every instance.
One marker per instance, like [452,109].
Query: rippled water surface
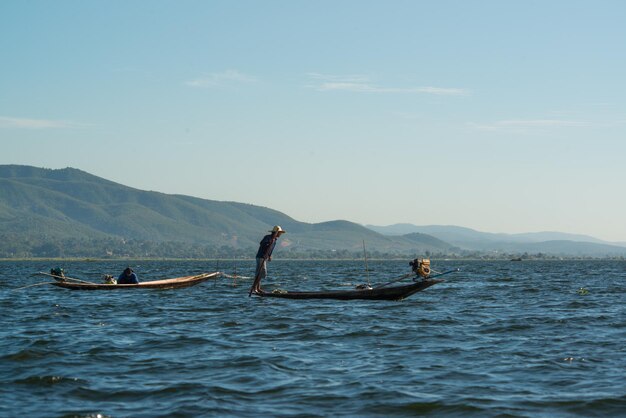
[496,339]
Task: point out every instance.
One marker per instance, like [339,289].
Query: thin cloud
[220,79]
[355,78]
[445,91]
[523,125]
[362,84]
[540,123]
[8,122]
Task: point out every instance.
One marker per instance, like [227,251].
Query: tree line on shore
[20,247]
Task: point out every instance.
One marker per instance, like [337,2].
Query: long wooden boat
[377,293]
[175,283]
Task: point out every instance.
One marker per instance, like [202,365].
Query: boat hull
[381,293]
[175,283]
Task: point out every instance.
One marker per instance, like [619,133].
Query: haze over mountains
[558,243]
[40,205]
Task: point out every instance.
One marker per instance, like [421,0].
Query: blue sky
[495,115]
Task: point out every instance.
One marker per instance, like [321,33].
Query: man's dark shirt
[266,242]
[124,279]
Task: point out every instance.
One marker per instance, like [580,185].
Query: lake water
[500,338]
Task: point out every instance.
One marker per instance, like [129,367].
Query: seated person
[58,273]
[128,277]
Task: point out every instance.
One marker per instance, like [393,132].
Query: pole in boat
[217,268]
[367,272]
[62,278]
[31,285]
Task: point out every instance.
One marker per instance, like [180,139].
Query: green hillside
[40,206]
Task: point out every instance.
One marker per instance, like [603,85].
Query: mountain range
[557,243]
[39,205]
[44,204]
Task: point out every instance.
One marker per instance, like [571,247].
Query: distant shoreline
[117,260]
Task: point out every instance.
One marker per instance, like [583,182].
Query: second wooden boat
[174,283]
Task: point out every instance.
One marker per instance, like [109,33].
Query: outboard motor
[58,272]
[421,267]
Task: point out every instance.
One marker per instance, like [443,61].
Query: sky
[500,116]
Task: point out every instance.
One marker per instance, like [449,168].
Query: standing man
[264,255]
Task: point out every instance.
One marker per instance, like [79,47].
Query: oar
[257,276]
[394,281]
[31,285]
[65,278]
[444,273]
[411,274]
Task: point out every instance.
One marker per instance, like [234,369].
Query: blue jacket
[124,279]
[266,247]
